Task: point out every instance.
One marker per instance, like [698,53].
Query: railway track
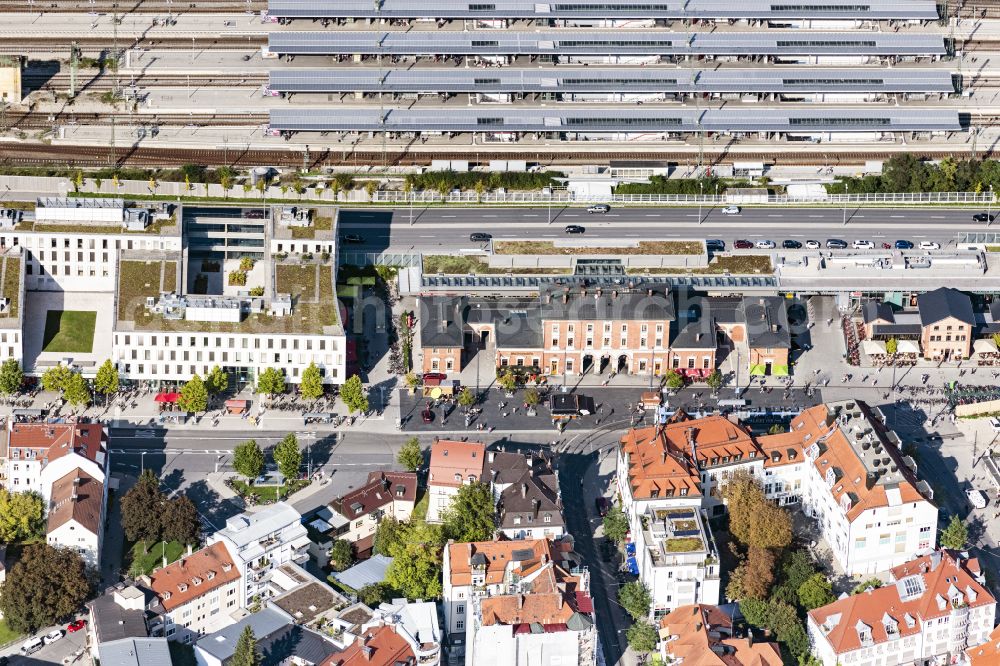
[101,156]
[105,82]
[35,121]
[135,6]
[91,44]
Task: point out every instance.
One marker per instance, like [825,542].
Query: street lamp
[989,207]
[701,188]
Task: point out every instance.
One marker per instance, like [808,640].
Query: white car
[812,245]
[977,499]
[929,245]
[765,245]
[863,245]
[731,210]
[53,636]
[995,424]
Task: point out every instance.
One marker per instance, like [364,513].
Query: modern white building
[199,594]
[931,611]
[260,542]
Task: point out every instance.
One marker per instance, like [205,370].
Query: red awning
[236,404]
[584,603]
[167,397]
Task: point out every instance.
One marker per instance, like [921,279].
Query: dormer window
[166,595]
[472,478]
[227,567]
[196,581]
[684,491]
[458,477]
[210,575]
[910,622]
[830,478]
[890,625]
[971,593]
[182,587]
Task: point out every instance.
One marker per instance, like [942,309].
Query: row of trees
[149,516]
[248,458]
[909,173]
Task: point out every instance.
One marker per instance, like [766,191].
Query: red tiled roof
[951,576]
[704,638]
[381,489]
[987,654]
[76,496]
[535,608]
[449,458]
[54,440]
[378,646]
[584,602]
[176,585]
[497,554]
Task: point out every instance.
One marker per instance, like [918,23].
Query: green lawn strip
[69,331]
[420,508]
[642,247]
[152,560]
[7,635]
[736,265]
[267,492]
[443,263]
[12,284]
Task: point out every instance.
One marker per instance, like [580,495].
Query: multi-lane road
[429,229]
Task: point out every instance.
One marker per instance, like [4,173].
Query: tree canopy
[179,521]
[753,520]
[45,585]
[471,516]
[54,379]
[194,396]
[411,456]
[271,382]
[142,507]
[816,591]
[288,456]
[107,380]
[353,395]
[642,637]
[11,376]
[341,555]
[955,535]
[246,653]
[216,381]
[76,391]
[390,537]
[311,387]
[248,459]
[616,524]
[416,566]
[635,599]
[22,515]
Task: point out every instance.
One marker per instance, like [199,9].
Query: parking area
[70,649]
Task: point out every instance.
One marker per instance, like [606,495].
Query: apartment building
[932,611]
[76,514]
[279,641]
[356,515]
[705,635]
[12,286]
[199,593]
[453,464]
[497,569]
[526,488]
[261,541]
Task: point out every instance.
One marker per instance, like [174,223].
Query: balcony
[260,565]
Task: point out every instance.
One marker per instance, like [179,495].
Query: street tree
[180,521]
[641,637]
[45,585]
[635,599]
[412,381]
[815,592]
[616,524]
[311,387]
[471,514]
[11,376]
[288,456]
[22,516]
[507,381]
[76,391]
[674,380]
[216,381]
[390,537]
[714,381]
[142,509]
[271,382]
[194,396]
[753,576]
[248,459]
[466,398]
[341,555]
[891,346]
[753,520]
[353,395]
[411,456]
[54,379]
[246,653]
[106,382]
[955,536]
[532,398]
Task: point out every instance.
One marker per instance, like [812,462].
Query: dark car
[836,244]
[603,505]
[480,237]
[715,245]
[353,238]
[574,229]
[427,416]
[904,245]
[983,217]
[791,245]
[743,245]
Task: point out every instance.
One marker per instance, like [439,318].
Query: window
[460,624]
[460,609]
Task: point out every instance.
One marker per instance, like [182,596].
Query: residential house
[453,465]
[199,593]
[76,515]
[356,515]
[396,634]
[122,614]
[704,635]
[496,568]
[282,641]
[136,652]
[302,597]
[946,324]
[933,610]
[29,449]
[768,335]
[380,645]
[526,487]
[417,623]
[260,542]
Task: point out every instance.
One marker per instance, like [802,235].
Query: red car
[743,245]
[76,625]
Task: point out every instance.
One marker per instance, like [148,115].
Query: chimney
[649,292]
[548,298]
[561,600]
[524,490]
[520,601]
[583,291]
[690,439]
[599,291]
[492,456]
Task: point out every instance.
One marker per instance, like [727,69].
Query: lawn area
[454,265]
[643,247]
[420,508]
[154,558]
[12,284]
[136,281]
[7,635]
[69,331]
[683,545]
[319,224]
[268,492]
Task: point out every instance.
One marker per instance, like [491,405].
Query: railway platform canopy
[625,79]
[562,43]
[926,10]
[632,120]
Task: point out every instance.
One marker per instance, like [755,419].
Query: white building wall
[205,614]
[74,535]
[440,500]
